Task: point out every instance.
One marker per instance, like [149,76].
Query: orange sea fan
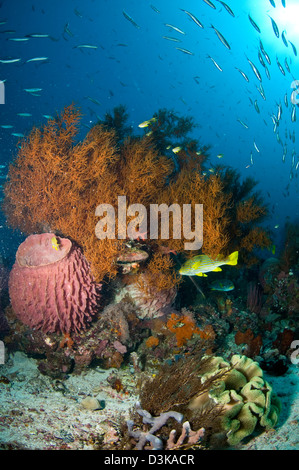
[247,211]
[191,187]
[159,274]
[56,183]
[256,237]
[142,171]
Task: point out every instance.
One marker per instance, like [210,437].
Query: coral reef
[234,392]
[153,290]
[285,296]
[72,179]
[289,255]
[50,285]
[86,294]
[254,297]
[111,336]
[245,211]
[254,343]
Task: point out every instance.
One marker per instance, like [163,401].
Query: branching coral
[176,384]
[186,439]
[117,123]
[155,424]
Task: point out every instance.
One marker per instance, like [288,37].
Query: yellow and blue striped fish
[202,264]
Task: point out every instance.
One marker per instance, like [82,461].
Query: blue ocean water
[133,64]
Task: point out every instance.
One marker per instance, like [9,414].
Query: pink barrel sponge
[51,287]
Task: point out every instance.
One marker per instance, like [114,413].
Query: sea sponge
[50,285]
[183,326]
[152,342]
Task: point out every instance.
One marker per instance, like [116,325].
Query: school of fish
[286,106]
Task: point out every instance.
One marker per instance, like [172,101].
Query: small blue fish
[223,285]
[227,8]
[265,53]
[255,70]
[215,63]
[284,39]
[243,74]
[221,37]
[254,24]
[193,18]
[280,66]
[294,48]
[275,27]
[129,18]
[208,2]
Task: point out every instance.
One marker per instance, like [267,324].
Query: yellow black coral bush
[55,184]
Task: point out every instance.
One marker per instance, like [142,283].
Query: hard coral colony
[114,300]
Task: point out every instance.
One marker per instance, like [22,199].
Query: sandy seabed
[41,413]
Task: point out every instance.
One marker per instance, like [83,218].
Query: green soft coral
[247,398]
